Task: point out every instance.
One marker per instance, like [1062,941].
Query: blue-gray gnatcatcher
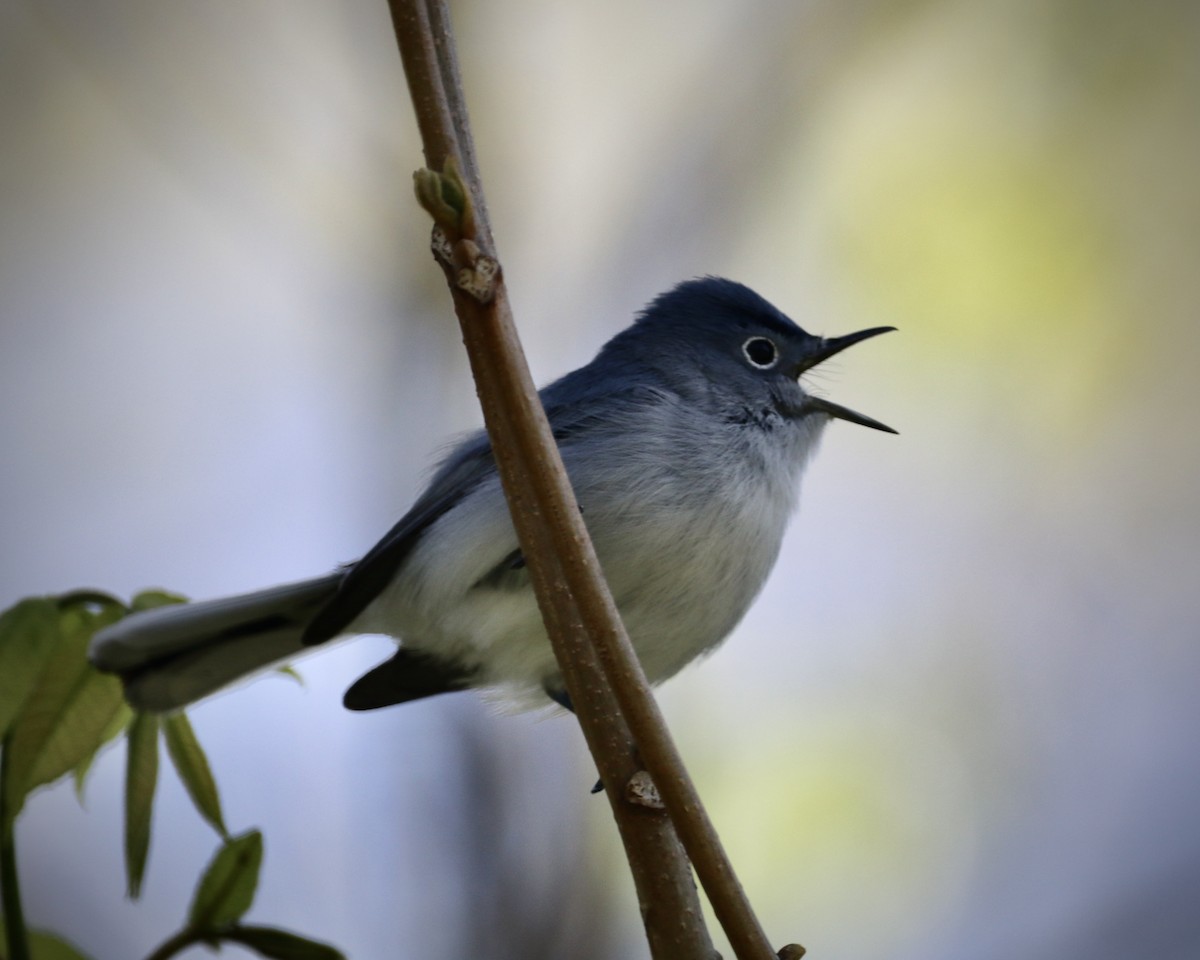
[684,440]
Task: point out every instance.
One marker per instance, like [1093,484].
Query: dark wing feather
[571,406]
[408,675]
[364,580]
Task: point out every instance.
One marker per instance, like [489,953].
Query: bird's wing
[363,581]
[571,407]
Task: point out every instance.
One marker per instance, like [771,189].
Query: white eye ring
[761,353]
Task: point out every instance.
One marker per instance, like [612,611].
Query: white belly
[684,551]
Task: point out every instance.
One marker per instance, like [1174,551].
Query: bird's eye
[761,352]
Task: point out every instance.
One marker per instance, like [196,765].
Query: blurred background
[962,719]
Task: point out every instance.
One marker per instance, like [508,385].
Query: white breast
[687,554]
[687,527]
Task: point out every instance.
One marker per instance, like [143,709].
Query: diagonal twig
[617,712]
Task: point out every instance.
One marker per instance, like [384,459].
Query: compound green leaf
[116,726]
[192,766]
[149,599]
[141,779]
[47,946]
[282,945]
[28,635]
[68,711]
[227,888]
[289,671]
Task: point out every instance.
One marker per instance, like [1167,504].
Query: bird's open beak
[822,349]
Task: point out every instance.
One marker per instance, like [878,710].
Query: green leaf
[227,888]
[289,671]
[192,766]
[280,944]
[115,728]
[69,709]
[28,635]
[46,946]
[81,730]
[88,598]
[149,599]
[141,778]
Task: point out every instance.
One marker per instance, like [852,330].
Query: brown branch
[602,674]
